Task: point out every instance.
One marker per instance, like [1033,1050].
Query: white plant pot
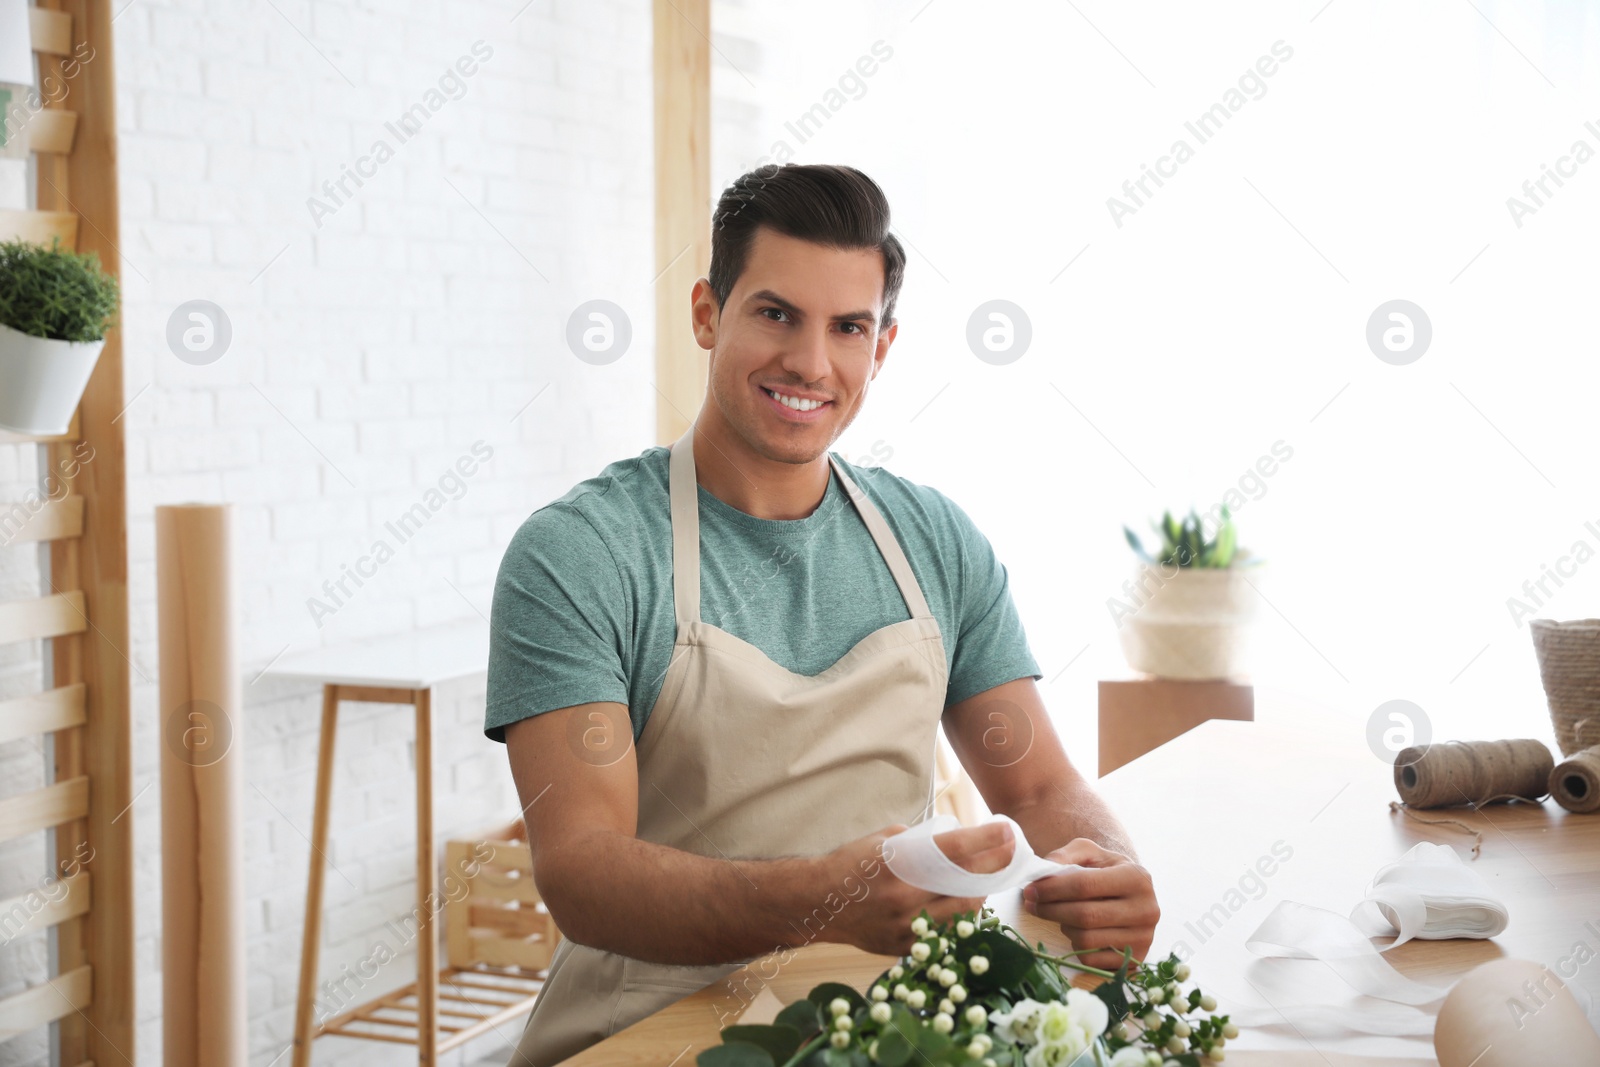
[42,380]
[1193,623]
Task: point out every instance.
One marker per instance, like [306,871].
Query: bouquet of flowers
[972,993]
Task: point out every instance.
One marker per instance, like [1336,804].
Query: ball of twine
[1575,781]
[1472,772]
[1569,667]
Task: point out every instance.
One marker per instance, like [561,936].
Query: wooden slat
[51,130]
[44,808]
[51,31]
[517,922]
[39,908]
[504,952]
[49,616]
[39,226]
[46,1002]
[55,519]
[509,855]
[42,713]
[519,889]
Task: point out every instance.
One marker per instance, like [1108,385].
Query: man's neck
[744,479]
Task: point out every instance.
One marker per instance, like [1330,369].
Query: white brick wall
[367,355]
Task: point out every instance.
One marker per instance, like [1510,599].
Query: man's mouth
[799,405]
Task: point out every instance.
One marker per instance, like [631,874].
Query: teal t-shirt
[583,600]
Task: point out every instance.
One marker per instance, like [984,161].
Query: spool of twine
[1575,782]
[1569,667]
[1472,772]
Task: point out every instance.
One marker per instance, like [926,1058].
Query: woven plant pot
[1195,625]
[1569,666]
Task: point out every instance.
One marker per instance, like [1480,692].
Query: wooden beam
[50,520]
[48,616]
[85,182]
[682,60]
[37,909]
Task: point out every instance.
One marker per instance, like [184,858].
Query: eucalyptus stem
[805,1050]
[1067,961]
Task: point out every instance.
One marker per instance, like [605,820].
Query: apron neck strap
[684,496]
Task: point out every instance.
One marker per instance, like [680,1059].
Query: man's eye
[775,311]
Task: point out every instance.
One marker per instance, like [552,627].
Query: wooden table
[404,670]
[1203,809]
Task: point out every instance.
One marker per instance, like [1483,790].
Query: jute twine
[1569,666]
[1575,781]
[1472,773]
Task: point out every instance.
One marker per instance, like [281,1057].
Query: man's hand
[1111,907]
[880,909]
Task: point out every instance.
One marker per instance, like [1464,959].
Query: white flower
[978,964]
[896,972]
[964,928]
[1181,1028]
[1052,1054]
[919,926]
[943,1023]
[934,970]
[958,992]
[1158,995]
[1208,1003]
[944,946]
[1020,1025]
[1182,972]
[976,1015]
[1153,1059]
[919,951]
[872,1050]
[839,1006]
[975,1049]
[1229,1030]
[948,961]
[839,1039]
[900,991]
[880,1013]
[983,1039]
[1216,1055]
[947,978]
[1177,1045]
[842,1022]
[879,993]
[1132,1056]
[947,1006]
[916,999]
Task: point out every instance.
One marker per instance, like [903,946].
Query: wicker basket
[1569,666]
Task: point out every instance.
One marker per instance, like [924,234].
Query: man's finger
[1086,853]
[969,846]
[1094,884]
[1099,914]
[1113,940]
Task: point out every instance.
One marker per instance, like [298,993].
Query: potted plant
[1192,601]
[55,308]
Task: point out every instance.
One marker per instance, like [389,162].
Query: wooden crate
[493,916]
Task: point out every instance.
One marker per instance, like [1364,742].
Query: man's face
[800,326]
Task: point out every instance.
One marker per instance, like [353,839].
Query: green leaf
[779,1041]
[894,1049]
[737,1054]
[1136,544]
[803,1016]
[1115,996]
[1226,543]
[1008,959]
[1170,527]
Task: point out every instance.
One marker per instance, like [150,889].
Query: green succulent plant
[1184,543]
[55,292]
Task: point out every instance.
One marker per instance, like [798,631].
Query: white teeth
[795,402]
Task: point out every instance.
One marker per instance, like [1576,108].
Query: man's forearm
[615,892]
[1071,811]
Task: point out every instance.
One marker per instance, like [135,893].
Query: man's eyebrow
[767,296]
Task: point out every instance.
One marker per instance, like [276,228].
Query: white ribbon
[915,859]
[1428,893]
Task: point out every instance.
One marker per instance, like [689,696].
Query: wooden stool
[400,670]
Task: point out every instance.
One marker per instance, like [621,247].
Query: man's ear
[704,315]
[881,353]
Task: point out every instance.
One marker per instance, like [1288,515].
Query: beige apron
[742,759]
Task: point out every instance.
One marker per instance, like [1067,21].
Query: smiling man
[720,669]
